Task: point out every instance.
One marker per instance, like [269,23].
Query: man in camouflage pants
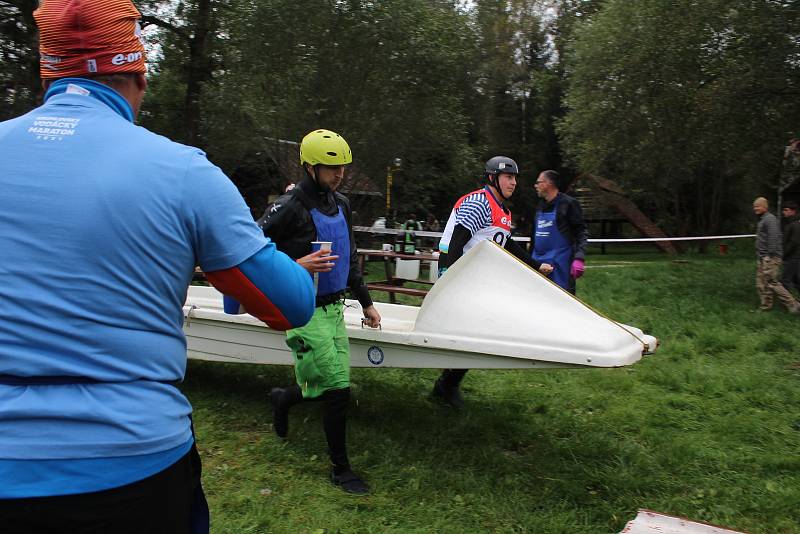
[770,250]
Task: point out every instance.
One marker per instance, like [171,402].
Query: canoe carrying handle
[188,319]
[364,320]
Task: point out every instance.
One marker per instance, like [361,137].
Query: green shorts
[321,352]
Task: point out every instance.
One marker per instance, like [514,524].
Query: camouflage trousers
[768,284]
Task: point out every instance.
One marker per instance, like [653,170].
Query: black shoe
[350,482]
[450,395]
[280,412]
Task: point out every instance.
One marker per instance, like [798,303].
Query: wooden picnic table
[393,285]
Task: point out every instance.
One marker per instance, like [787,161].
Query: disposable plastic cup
[320,245]
[230,305]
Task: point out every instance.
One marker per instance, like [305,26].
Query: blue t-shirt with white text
[101,225]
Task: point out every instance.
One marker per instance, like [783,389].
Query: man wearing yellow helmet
[312,212]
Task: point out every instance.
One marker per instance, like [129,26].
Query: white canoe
[488,311]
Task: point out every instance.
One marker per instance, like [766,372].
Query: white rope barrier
[393,231]
[655,239]
[423,233]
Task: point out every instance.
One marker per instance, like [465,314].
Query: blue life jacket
[334,229]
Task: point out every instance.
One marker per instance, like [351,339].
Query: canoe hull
[514,319]
[212,339]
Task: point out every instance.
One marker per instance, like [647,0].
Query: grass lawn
[708,428]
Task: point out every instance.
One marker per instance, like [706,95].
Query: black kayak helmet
[497,165]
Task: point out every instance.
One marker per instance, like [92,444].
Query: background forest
[687,104]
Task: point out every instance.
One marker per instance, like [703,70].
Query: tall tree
[516,92]
[187,39]
[687,103]
[390,76]
[19,58]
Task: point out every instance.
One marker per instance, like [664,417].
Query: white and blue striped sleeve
[474,213]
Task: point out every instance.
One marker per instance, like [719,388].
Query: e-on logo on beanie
[80,37]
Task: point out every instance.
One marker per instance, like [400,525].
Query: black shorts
[167,502]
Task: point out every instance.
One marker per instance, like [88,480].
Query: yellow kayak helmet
[326,148]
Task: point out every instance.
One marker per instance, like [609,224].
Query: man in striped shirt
[478,216]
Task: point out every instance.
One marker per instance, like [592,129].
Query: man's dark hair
[791,204]
[553,176]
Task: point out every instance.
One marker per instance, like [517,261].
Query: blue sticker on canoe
[375,355]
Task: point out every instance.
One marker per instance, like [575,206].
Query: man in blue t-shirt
[102,225]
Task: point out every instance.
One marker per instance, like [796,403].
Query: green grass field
[708,428]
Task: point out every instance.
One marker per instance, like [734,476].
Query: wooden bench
[392,285]
[393,289]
